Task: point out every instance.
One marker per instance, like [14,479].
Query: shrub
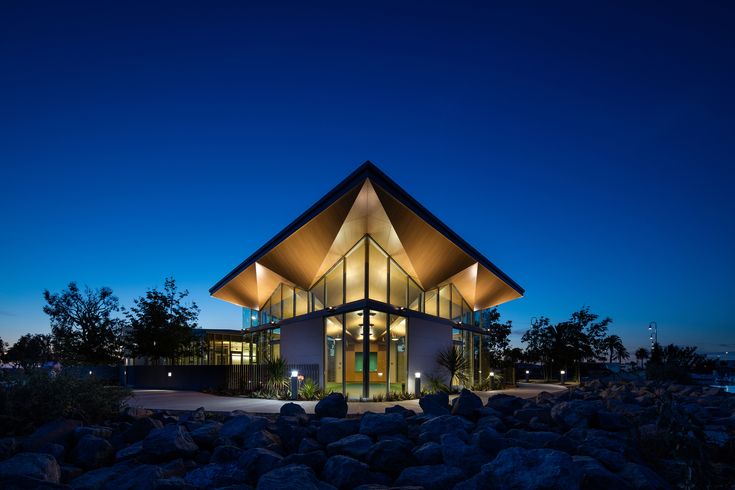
[39,398]
[276,382]
[309,390]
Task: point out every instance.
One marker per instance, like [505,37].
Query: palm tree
[641,354]
[453,360]
[621,353]
[614,344]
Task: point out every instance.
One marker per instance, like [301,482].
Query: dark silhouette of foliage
[3,349]
[566,344]
[641,354]
[82,325]
[31,350]
[672,362]
[496,341]
[162,327]
[454,361]
[616,349]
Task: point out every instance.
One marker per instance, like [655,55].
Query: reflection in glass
[456,311]
[333,353]
[318,295]
[377,340]
[334,286]
[431,302]
[398,355]
[378,273]
[444,301]
[355,272]
[398,285]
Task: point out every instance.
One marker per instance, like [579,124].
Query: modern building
[368,285]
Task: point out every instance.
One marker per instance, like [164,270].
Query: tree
[161,325]
[83,328]
[453,360]
[641,355]
[672,362]
[496,340]
[3,350]
[614,344]
[31,350]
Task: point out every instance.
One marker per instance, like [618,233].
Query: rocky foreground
[618,436]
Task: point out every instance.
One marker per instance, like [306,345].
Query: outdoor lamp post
[294,385]
[492,378]
[527,373]
[417,384]
[562,376]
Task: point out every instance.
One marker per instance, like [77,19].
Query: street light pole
[653,333]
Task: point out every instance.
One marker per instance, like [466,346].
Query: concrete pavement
[191,400]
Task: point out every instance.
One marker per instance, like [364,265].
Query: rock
[613,460]
[492,422]
[336,429]
[168,442]
[131,414]
[314,459]
[355,446]
[505,404]
[308,445]
[258,461]
[345,473]
[375,424]
[92,452]
[435,404]
[120,476]
[8,447]
[390,456]
[466,405]
[594,476]
[543,414]
[611,421]
[456,452]
[433,477]
[55,450]
[264,439]
[532,440]
[294,477]
[239,427]
[40,467]
[717,438]
[54,432]
[216,475]
[429,453]
[69,472]
[292,409]
[290,430]
[226,454]
[139,429]
[432,429]
[206,435]
[198,415]
[490,441]
[399,409]
[642,478]
[174,483]
[132,451]
[575,413]
[97,431]
[517,468]
[333,405]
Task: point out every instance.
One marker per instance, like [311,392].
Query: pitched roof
[367,202]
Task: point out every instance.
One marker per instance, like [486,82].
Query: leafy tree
[453,360]
[496,341]
[31,350]
[672,362]
[82,325]
[614,344]
[161,325]
[641,355]
[3,349]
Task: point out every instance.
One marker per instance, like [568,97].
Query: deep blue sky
[587,149]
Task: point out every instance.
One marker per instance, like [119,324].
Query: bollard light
[294,384]
[562,376]
[527,373]
[90,373]
[417,384]
[492,378]
[169,374]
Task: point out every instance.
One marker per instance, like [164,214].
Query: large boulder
[55,432]
[125,476]
[505,404]
[390,456]
[293,477]
[169,442]
[541,414]
[292,409]
[92,452]
[333,405]
[643,478]
[139,429]
[216,475]
[429,453]
[264,439]
[456,452]
[131,414]
[335,429]
[520,469]
[575,413]
[346,473]
[595,476]
[434,477]
[239,427]
[432,429]
[313,459]
[207,434]
[466,405]
[94,430]
[376,424]
[435,403]
[40,467]
[225,454]
[355,446]
[255,462]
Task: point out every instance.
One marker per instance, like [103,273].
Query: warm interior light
[380,374]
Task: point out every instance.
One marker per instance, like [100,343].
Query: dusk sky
[585,148]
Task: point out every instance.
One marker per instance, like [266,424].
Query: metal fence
[239,378]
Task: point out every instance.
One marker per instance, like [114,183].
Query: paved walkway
[191,400]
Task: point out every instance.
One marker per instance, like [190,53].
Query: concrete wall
[425,339]
[303,343]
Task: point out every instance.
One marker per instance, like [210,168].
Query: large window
[378,273]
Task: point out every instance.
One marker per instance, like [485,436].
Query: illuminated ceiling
[367,202]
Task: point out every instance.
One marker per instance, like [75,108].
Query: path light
[294,384]
[417,384]
[527,373]
[169,374]
[90,373]
[492,378]
[562,376]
